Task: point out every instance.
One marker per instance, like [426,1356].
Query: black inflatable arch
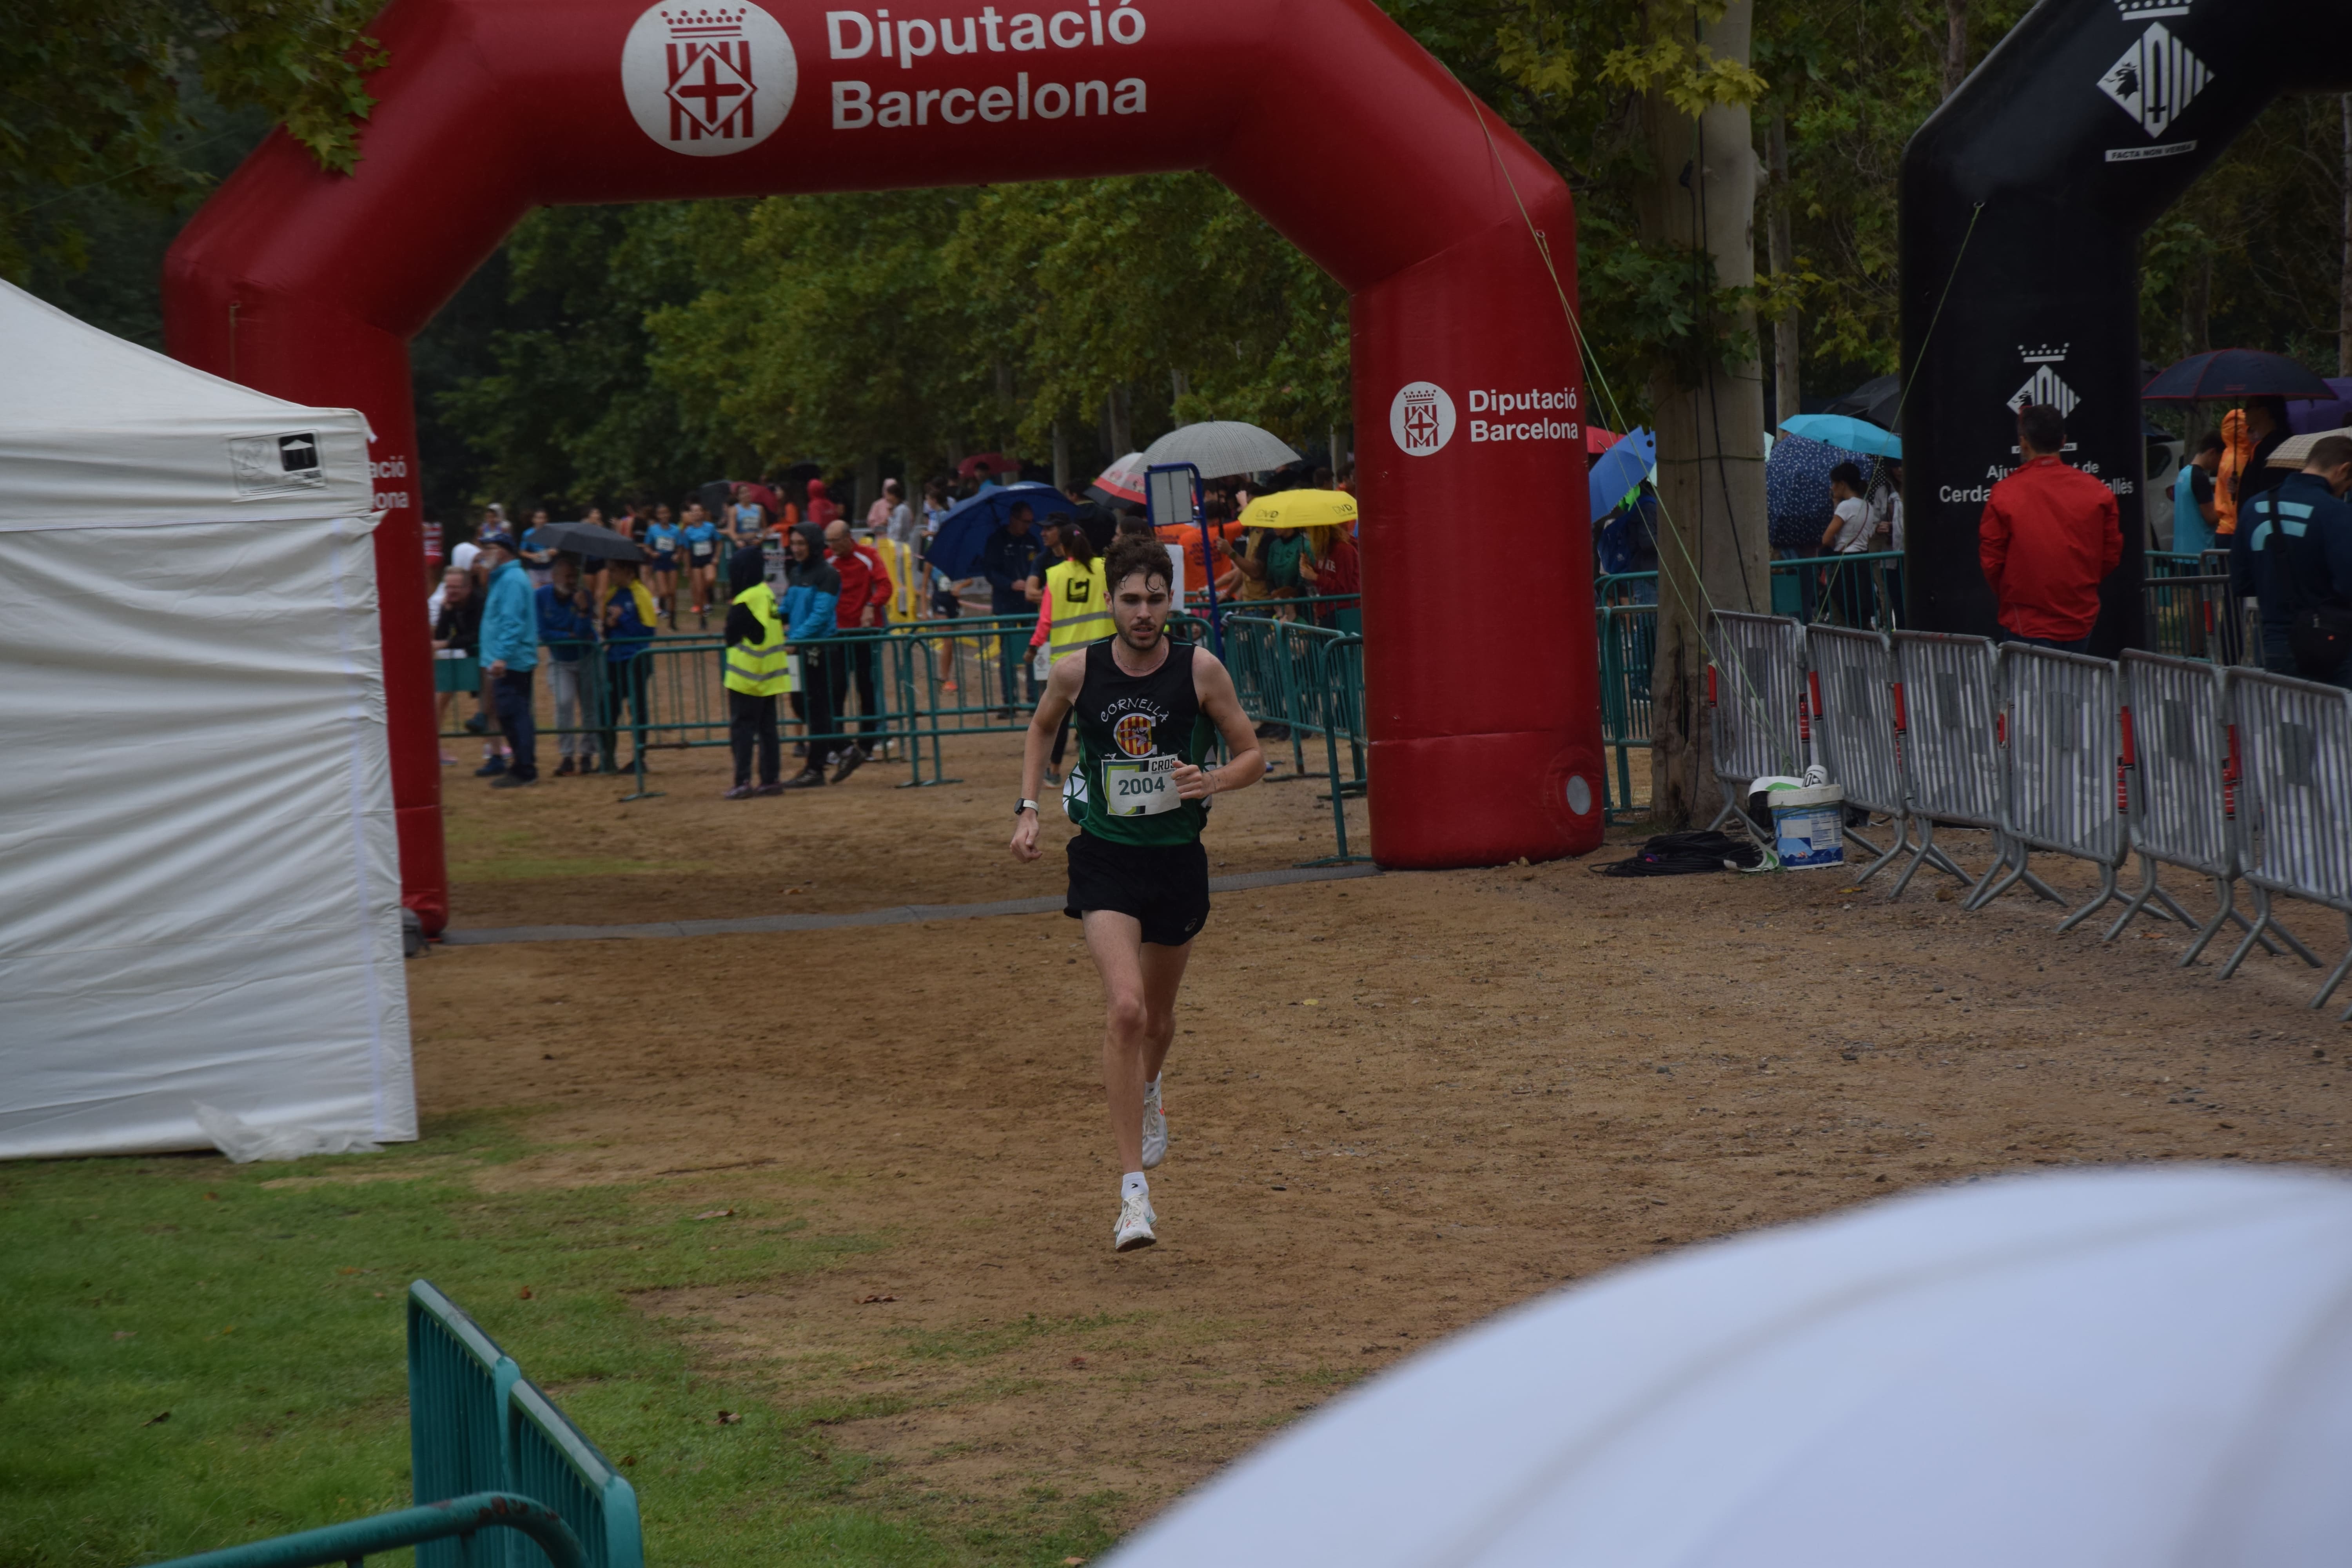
[2024,199]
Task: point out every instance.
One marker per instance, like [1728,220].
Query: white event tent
[199,884]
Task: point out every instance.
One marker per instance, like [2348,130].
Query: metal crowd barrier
[1947,711]
[477,1425]
[1755,702]
[458,1380]
[452,1525]
[2295,739]
[1857,730]
[2182,773]
[2062,750]
[2189,612]
[556,1465]
[1810,588]
[1309,679]
[1628,642]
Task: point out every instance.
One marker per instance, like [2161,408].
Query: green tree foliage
[566,405]
[113,93]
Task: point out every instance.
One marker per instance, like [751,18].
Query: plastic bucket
[1808,826]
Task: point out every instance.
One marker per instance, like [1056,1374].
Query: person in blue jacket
[628,622]
[811,593]
[701,538]
[567,624]
[509,653]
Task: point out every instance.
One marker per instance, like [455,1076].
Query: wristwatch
[1019,806]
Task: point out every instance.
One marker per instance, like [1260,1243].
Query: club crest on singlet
[1133,734]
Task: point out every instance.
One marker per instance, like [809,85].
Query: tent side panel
[199,890]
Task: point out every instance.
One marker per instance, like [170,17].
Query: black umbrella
[1876,400]
[2225,375]
[588,539]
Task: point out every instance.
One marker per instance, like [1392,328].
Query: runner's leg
[1115,943]
[1139,984]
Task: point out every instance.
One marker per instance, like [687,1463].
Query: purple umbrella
[2226,375]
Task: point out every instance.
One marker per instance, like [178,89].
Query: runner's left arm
[1213,684]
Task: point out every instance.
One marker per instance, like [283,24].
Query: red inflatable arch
[1322,114]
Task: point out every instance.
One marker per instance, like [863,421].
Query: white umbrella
[1122,482]
[2095,1369]
[1221,447]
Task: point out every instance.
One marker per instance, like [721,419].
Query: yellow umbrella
[1301,509]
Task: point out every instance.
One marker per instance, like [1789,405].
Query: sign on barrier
[1755,702]
[2295,739]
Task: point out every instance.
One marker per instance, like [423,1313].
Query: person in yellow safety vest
[1075,612]
[759,666]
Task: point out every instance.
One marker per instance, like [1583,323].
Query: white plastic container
[1808,826]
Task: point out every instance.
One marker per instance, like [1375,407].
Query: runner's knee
[1128,1016]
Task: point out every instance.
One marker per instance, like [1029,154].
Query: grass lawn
[199,1353]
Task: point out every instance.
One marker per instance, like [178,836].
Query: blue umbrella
[1840,430]
[1619,469]
[964,530]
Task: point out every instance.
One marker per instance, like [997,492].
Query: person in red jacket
[2049,535]
[865,589]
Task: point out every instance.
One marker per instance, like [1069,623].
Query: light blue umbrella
[1620,468]
[1842,430]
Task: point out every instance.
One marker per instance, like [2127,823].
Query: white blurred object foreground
[2130,1366]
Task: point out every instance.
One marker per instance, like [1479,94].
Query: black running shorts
[1165,885]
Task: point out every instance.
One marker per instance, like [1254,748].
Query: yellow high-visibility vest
[1081,604]
[907,598]
[763,669]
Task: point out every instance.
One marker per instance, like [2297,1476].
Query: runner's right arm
[1061,692]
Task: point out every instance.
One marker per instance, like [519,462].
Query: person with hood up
[758,667]
[812,596]
[509,653]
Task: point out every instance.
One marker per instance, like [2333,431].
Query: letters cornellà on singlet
[924,43]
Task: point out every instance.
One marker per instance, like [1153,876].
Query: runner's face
[1141,605]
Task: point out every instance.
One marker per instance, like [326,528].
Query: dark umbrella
[588,539]
[1876,400]
[2225,375]
[964,530]
[1796,503]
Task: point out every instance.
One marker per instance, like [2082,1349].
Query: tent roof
[98,432]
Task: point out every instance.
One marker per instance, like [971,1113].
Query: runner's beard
[1149,640]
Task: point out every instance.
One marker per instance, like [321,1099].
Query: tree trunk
[2196,338]
[2344,277]
[1955,45]
[1060,457]
[1788,391]
[1712,547]
[1114,421]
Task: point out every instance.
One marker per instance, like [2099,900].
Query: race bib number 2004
[1144,788]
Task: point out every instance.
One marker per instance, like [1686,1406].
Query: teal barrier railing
[458,1380]
[556,1464]
[488,1449]
[452,1525]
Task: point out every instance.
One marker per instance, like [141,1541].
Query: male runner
[1145,708]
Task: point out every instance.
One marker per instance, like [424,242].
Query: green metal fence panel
[452,1524]
[556,1464]
[1629,638]
[458,1380]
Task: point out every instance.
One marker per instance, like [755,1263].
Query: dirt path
[1398,1105]
[571,850]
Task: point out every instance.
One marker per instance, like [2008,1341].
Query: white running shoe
[1155,1126]
[1134,1228]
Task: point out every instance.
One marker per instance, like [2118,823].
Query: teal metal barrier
[458,1380]
[1629,639]
[1308,679]
[435,1527]
[556,1464]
